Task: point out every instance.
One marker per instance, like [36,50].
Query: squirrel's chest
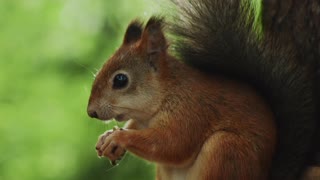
[171,173]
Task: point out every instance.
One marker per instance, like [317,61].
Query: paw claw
[114,149]
[113,163]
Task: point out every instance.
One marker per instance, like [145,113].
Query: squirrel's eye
[120,81]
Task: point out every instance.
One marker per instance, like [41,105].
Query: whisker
[96,73]
[86,89]
[83,66]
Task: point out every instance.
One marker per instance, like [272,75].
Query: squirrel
[231,103]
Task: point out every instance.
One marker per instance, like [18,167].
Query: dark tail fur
[222,36]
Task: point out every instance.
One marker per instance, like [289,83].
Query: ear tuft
[133,32]
[155,24]
[153,37]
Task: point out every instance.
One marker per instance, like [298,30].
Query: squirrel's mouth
[121,117]
[110,116]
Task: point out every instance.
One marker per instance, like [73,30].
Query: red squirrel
[234,105]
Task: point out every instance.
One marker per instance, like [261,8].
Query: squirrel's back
[224,37]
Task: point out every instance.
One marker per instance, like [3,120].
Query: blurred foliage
[49,51]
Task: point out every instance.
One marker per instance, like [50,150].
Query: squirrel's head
[128,86]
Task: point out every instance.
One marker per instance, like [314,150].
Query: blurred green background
[49,51]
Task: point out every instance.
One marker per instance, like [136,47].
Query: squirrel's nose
[93,113]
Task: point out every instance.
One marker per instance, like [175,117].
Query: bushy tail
[223,36]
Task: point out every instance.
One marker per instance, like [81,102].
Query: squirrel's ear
[153,39]
[133,32]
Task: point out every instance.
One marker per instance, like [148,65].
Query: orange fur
[312,173]
[192,125]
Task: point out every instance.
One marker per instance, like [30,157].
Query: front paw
[108,146]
